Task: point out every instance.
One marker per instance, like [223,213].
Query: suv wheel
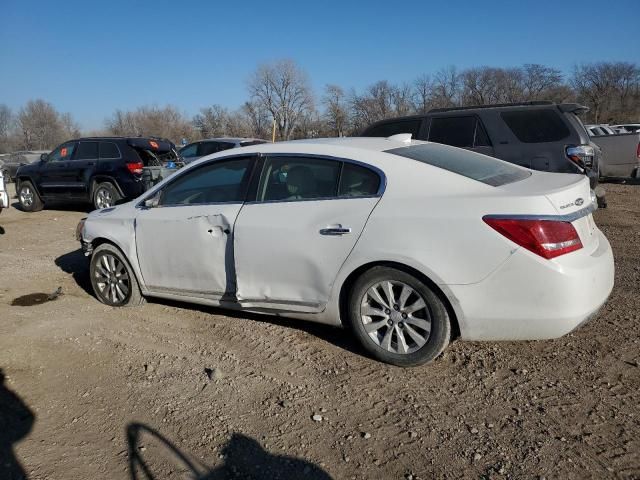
[28,197]
[112,278]
[105,195]
[397,318]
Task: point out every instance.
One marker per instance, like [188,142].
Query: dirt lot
[233,396]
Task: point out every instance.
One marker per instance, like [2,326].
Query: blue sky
[90,58]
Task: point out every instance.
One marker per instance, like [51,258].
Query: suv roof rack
[496,105]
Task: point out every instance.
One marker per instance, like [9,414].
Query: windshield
[472,165]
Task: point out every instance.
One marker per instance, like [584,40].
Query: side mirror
[152,202]
[44,157]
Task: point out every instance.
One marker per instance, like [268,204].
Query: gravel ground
[193,392]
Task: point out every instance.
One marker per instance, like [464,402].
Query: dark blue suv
[96,170]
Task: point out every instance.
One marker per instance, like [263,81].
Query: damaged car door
[184,234]
[292,240]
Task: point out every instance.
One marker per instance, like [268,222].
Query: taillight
[582,155]
[547,238]
[135,167]
[638,151]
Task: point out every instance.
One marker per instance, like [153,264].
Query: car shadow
[77,264]
[243,457]
[62,207]
[16,421]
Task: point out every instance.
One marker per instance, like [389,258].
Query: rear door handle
[335,230]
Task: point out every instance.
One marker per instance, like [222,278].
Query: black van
[537,135]
[96,170]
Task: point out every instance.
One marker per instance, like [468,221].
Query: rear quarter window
[484,169]
[536,126]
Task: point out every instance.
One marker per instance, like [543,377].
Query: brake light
[135,167]
[638,151]
[582,155]
[547,238]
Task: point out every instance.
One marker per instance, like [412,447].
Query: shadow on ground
[16,421]
[152,456]
[77,264]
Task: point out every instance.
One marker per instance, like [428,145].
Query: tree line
[280,98]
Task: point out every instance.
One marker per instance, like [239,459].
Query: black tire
[28,198]
[433,315]
[105,195]
[127,292]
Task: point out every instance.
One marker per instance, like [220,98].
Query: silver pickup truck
[620,154]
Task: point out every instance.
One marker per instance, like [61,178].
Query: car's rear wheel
[397,318]
[112,278]
[28,197]
[105,195]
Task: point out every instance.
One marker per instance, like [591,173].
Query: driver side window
[223,181]
[63,153]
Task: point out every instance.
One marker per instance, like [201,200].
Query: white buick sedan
[409,244]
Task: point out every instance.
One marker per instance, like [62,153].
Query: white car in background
[408,243]
[4,195]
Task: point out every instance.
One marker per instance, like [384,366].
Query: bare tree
[166,122]
[40,125]
[539,82]
[6,127]
[610,89]
[257,117]
[422,93]
[446,88]
[336,114]
[283,89]
[212,122]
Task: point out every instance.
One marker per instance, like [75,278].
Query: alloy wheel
[104,199]
[396,317]
[112,279]
[26,196]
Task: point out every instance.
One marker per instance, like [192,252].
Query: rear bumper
[530,298]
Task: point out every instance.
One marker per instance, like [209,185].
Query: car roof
[230,140]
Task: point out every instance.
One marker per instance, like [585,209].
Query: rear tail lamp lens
[135,167]
[547,238]
[582,155]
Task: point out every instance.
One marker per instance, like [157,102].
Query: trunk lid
[570,196]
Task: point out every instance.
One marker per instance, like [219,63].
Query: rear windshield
[472,165]
[536,126]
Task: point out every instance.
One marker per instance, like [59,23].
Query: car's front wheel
[397,318]
[112,278]
[28,197]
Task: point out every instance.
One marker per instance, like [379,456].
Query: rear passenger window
[536,126]
[109,150]
[87,151]
[207,148]
[454,131]
[357,181]
[298,178]
[393,128]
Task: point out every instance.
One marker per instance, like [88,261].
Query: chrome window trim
[184,171]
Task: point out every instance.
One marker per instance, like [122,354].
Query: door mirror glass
[43,157]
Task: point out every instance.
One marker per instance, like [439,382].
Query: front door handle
[335,230]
